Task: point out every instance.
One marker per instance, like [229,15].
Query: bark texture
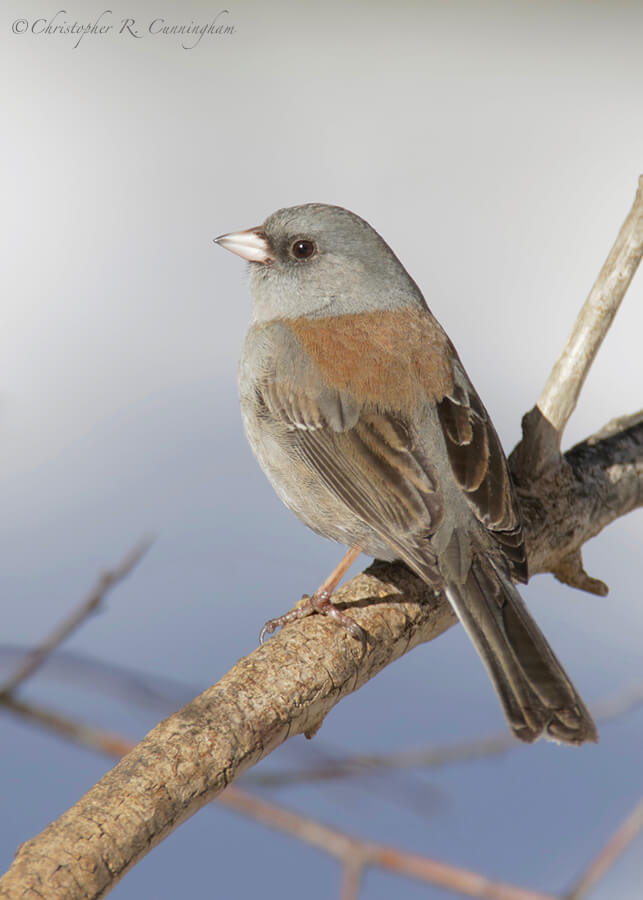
[289,685]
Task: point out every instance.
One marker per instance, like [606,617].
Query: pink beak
[251,245]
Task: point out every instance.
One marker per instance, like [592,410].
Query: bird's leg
[320,602]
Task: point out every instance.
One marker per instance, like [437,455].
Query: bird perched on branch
[362,416]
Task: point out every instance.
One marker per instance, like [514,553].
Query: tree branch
[357,854]
[288,686]
[560,394]
[283,688]
[594,483]
[353,852]
[437,756]
[615,847]
[107,581]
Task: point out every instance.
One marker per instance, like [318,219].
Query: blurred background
[496,147]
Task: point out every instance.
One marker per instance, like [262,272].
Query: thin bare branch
[560,394]
[36,657]
[434,757]
[106,742]
[619,704]
[188,759]
[353,852]
[352,881]
[372,763]
[284,688]
[615,847]
[288,686]
[356,853]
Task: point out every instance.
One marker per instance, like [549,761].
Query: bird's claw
[318,603]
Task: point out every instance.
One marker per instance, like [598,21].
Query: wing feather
[480,468]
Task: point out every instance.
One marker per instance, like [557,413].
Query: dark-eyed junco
[362,416]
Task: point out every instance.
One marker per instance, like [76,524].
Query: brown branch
[615,847]
[108,580]
[107,742]
[357,854]
[560,395]
[352,880]
[284,688]
[571,501]
[538,455]
[372,763]
[434,757]
[288,686]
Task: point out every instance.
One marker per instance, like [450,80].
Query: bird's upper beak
[251,245]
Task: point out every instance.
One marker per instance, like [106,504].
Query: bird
[359,411]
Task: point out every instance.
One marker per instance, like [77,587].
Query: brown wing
[480,468]
[368,459]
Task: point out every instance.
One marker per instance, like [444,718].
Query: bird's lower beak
[251,245]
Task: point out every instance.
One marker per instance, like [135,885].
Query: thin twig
[372,763]
[106,742]
[618,704]
[616,845]
[352,881]
[38,655]
[560,394]
[434,757]
[355,852]
[280,690]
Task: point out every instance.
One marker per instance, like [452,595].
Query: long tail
[536,694]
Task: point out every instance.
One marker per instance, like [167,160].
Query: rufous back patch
[390,358]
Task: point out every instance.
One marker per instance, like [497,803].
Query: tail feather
[536,693]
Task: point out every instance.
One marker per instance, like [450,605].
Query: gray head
[319,260]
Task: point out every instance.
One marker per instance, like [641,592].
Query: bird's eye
[303,249]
